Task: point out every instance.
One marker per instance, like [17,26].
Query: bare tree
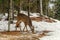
[10,14]
[20,4]
[47,3]
[45,7]
[3,6]
[30,22]
[28,7]
[41,8]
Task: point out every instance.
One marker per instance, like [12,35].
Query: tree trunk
[28,9]
[3,7]
[20,5]
[10,14]
[41,8]
[46,6]
[46,11]
[11,10]
[8,9]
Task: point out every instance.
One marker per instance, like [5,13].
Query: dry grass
[20,36]
[46,19]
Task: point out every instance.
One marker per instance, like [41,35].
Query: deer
[27,21]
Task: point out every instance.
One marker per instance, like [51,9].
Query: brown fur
[26,20]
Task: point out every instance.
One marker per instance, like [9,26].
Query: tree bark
[3,7]
[41,8]
[28,8]
[10,14]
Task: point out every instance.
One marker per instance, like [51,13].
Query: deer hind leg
[25,27]
[32,28]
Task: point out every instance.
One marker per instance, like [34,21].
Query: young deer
[26,20]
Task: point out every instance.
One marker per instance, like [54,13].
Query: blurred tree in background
[34,6]
[57,9]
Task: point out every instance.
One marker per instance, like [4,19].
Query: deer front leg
[17,24]
[26,28]
[20,27]
[23,29]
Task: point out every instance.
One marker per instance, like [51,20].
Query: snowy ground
[55,35]
[39,26]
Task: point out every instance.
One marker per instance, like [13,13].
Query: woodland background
[50,8]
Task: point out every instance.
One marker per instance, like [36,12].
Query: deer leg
[17,24]
[32,28]
[23,29]
[26,28]
[20,27]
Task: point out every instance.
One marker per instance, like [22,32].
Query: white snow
[39,26]
[31,14]
[55,35]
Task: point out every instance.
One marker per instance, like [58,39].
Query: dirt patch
[11,33]
[20,36]
[46,19]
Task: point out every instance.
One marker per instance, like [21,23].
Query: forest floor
[17,35]
[45,28]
